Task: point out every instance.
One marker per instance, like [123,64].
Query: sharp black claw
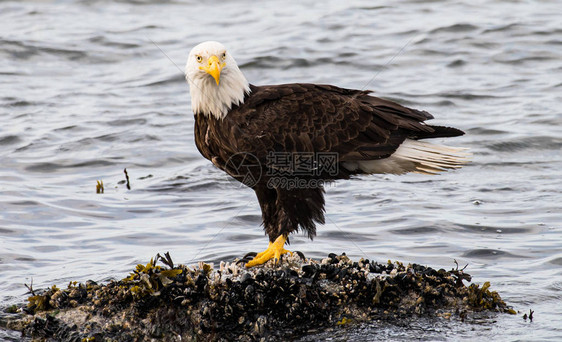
[301,255]
[252,254]
[242,261]
[247,258]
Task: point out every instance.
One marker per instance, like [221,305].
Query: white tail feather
[415,156]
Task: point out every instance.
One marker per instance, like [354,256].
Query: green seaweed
[484,299]
[99,187]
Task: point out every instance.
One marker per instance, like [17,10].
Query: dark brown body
[302,119]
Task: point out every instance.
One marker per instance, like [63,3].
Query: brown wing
[324,118]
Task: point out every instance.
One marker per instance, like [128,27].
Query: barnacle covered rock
[272,302]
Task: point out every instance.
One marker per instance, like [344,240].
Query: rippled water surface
[88,88]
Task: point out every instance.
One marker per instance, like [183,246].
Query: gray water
[87,89]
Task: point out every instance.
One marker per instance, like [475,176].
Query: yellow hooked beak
[214,67]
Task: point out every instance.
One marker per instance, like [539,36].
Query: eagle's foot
[273,251]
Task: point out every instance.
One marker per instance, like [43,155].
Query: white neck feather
[208,98]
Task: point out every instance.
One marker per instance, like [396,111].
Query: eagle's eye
[223,56]
[199,59]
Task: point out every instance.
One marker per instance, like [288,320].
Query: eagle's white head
[215,82]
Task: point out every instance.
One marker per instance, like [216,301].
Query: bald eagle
[285,141]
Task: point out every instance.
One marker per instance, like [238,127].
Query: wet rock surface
[273,302]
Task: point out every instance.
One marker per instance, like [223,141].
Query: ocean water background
[88,88]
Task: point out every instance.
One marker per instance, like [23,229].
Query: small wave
[104,41]
[371,8]
[23,103]
[527,143]
[339,235]
[456,63]
[9,140]
[508,59]
[556,122]
[485,131]
[11,73]
[484,253]
[480,229]
[128,122]
[455,28]
[253,219]
[558,262]
[239,237]
[25,203]
[501,28]
[53,167]
[176,78]
[554,32]
[265,62]
[135,29]
[415,230]
[435,52]
[184,184]
[289,63]
[442,103]
[26,50]
[5,231]
[68,128]
[465,96]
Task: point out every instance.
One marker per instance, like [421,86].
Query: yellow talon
[273,251]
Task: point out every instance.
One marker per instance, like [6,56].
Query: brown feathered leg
[274,218]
